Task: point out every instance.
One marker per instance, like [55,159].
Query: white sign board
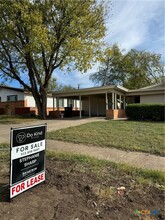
[27,158]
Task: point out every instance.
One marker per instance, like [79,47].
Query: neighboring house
[110,101]
[19,101]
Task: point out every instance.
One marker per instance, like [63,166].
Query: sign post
[27,158]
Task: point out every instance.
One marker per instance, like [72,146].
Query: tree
[109,72]
[52,84]
[142,69]
[39,36]
[65,88]
[132,70]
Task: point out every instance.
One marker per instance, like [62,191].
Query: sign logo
[21,137]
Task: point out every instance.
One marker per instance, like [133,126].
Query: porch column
[113,104]
[97,107]
[53,103]
[115,100]
[89,106]
[124,102]
[80,106]
[120,100]
[106,101]
[58,104]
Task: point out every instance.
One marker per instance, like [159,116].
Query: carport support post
[80,106]
[124,102]
[58,103]
[53,103]
[89,106]
[106,100]
[113,100]
[120,101]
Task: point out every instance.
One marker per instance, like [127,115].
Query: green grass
[141,175]
[13,119]
[125,135]
[4,151]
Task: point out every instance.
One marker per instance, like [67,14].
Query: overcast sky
[133,25]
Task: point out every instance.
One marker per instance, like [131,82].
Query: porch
[107,101]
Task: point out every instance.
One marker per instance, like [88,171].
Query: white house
[110,101]
[19,101]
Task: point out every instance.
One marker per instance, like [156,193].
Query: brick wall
[116,113]
[9,107]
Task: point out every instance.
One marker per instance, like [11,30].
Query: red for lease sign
[27,184]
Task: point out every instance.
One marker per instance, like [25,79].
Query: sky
[132,24]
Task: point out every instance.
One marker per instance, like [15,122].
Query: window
[70,103]
[61,103]
[137,99]
[12,98]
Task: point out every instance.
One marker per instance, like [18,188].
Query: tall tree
[109,71]
[65,88]
[39,36]
[133,70]
[142,69]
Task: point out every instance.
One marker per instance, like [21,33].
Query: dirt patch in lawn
[76,191]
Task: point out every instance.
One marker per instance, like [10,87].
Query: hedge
[152,112]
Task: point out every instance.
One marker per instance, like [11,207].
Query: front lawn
[15,119]
[126,135]
[81,187]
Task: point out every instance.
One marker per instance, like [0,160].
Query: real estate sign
[27,158]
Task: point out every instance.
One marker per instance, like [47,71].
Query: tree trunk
[44,104]
[41,102]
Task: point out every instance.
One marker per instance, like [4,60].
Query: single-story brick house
[110,101]
[19,101]
[106,101]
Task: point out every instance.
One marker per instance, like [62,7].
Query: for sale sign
[27,158]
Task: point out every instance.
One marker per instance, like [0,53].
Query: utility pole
[78,86]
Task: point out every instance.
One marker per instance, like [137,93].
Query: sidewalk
[136,159]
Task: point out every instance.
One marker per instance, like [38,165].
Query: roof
[19,90]
[12,88]
[149,90]
[154,89]
[90,91]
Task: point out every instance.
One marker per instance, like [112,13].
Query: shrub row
[152,112]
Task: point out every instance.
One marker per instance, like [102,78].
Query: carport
[108,101]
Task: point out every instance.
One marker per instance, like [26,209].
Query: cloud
[131,22]
[138,24]
[75,78]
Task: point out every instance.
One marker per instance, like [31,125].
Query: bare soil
[76,191]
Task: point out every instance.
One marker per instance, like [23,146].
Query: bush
[152,112]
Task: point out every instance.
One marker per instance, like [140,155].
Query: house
[19,101]
[107,101]
[110,101]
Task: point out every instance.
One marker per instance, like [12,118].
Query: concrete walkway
[137,159]
[52,125]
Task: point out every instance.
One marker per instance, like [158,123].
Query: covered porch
[106,101]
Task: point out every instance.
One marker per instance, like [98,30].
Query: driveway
[52,125]
[136,159]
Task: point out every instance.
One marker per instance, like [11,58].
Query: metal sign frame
[27,158]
